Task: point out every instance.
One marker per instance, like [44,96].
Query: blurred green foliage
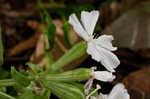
[1,48]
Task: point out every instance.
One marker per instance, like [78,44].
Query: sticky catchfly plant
[99,48]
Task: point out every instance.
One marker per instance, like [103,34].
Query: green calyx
[74,75]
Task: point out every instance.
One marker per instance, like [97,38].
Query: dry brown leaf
[29,43]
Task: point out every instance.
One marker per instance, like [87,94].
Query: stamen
[97,88]
[96,35]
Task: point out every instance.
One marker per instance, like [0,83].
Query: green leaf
[66,28]
[20,79]
[35,68]
[75,52]
[74,75]
[1,48]
[28,94]
[64,90]
[49,29]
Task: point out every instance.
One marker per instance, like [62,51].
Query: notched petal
[73,20]
[89,20]
[105,41]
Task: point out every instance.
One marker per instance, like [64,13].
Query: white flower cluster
[100,50]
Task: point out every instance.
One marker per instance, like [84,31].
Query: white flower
[118,92]
[100,48]
[104,76]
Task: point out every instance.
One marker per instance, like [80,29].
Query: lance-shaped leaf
[75,52]
[50,29]
[74,75]
[66,28]
[1,48]
[64,90]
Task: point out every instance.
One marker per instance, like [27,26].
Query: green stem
[7,82]
[49,59]
[6,95]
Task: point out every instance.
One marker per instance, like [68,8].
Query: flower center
[91,39]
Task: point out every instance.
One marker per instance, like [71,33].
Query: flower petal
[104,76]
[109,60]
[89,20]
[119,92]
[78,27]
[105,41]
[92,50]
